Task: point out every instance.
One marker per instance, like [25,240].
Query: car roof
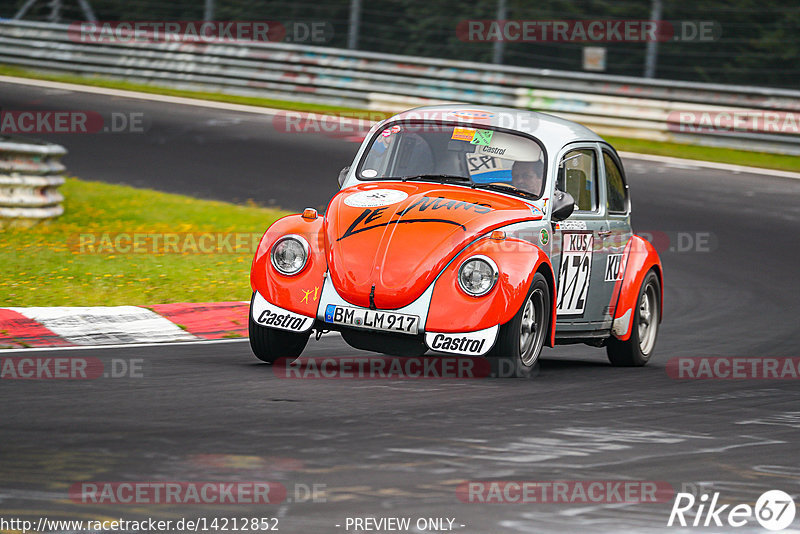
[553,132]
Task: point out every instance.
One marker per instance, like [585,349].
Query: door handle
[604,233]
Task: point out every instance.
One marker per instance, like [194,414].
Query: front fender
[452,310]
[640,257]
[299,293]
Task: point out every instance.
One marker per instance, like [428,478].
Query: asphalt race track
[184,149]
[393,448]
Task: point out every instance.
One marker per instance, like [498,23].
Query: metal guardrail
[612,105]
[30,175]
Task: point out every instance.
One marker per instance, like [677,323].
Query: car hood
[391,239]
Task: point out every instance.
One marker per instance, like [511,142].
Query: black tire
[516,352]
[635,352]
[270,344]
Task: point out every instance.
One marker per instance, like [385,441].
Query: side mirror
[563,205]
[343,175]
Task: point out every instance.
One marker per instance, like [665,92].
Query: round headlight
[477,276]
[290,254]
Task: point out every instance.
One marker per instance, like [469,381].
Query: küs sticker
[375,198]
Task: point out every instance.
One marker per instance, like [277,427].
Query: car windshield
[480,157]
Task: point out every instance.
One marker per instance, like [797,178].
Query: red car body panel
[299,293]
[518,261]
[640,257]
[395,252]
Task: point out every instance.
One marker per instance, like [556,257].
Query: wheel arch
[519,261]
[547,271]
[640,258]
[297,293]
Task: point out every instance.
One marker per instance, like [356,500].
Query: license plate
[372,319]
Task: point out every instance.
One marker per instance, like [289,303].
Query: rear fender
[452,310]
[299,293]
[640,257]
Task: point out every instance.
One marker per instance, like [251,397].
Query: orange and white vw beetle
[484,232]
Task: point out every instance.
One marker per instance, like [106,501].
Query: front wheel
[637,350]
[520,341]
[269,344]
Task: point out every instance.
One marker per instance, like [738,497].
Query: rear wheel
[637,350]
[520,341]
[269,344]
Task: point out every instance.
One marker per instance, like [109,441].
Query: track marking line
[710,165]
[122,93]
[124,345]
[139,345]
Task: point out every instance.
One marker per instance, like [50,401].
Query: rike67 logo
[774,510]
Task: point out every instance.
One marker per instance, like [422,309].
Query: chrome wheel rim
[531,331]
[648,319]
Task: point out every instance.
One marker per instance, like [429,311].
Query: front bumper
[477,343]
[265,313]
[472,343]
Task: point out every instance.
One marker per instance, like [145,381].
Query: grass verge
[45,265]
[676,150]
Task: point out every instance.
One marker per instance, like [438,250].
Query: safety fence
[748,118]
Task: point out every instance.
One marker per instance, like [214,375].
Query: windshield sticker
[369,173]
[572,225]
[488,169]
[492,150]
[482,137]
[472,114]
[393,130]
[375,198]
[463,134]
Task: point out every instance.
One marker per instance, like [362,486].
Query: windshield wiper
[441,177]
[506,188]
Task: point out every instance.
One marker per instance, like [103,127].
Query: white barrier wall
[749,118]
[30,175]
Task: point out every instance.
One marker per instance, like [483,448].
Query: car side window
[577,175]
[616,193]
